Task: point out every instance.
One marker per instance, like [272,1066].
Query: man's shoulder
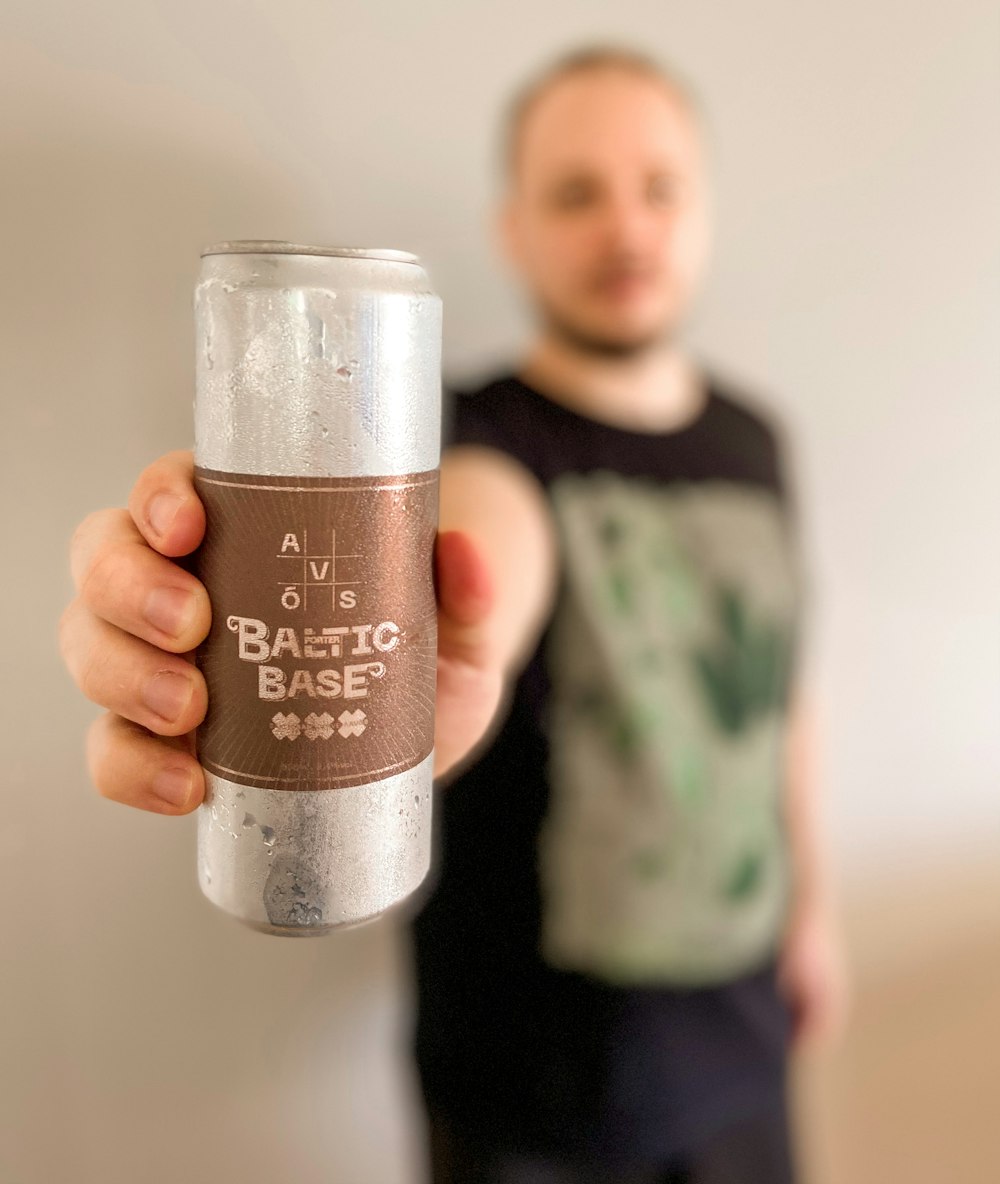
[740,406]
[750,431]
[743,410]
[499,412]
[485,392]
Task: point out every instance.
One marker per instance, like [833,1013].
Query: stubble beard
[603,347]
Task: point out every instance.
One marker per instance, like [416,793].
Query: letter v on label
[319,575]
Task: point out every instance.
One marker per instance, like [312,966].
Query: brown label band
[321,659]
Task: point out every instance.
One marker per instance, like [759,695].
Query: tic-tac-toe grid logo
[317,580]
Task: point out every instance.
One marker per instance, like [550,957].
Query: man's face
[607,217]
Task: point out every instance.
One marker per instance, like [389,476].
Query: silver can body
[315,363]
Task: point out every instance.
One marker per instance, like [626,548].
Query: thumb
[465,598]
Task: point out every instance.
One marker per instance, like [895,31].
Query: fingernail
[162,511]
[173,786]
[167,694]
[169,609]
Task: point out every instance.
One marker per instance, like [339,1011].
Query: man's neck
[657,390]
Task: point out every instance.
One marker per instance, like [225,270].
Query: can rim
[279,247]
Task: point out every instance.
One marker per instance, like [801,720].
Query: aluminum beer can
[317,444]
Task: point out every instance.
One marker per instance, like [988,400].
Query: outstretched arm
[490,506]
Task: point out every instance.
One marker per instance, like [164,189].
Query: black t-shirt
[596,958]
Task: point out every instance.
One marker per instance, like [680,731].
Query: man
[630,911]
[598,967]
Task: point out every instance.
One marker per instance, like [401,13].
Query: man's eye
[574,195]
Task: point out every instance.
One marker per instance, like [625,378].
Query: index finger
[165,507]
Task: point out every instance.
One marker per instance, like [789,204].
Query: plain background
[856,289]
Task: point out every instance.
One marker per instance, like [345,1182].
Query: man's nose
[629,222]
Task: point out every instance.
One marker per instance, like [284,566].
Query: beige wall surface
[142,1036]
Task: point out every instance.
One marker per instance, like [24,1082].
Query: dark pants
[756,1150]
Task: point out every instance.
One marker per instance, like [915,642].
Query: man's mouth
[623,283]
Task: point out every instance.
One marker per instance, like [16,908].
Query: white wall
[144,1037]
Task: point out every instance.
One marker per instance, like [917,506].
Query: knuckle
[97,745]
[99,572]
[75,648]
[85,528]
[90,678]
[65,631]
[76,539]
[79,545]
[93,525]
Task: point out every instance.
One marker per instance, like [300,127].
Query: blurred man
[630,914]
[622,916]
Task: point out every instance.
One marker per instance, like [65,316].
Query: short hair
[585,60]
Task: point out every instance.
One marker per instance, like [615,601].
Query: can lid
[277,247]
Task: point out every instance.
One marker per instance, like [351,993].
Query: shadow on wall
[141,1017]
[110,191]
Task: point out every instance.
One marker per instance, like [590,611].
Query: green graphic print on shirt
[662,857]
